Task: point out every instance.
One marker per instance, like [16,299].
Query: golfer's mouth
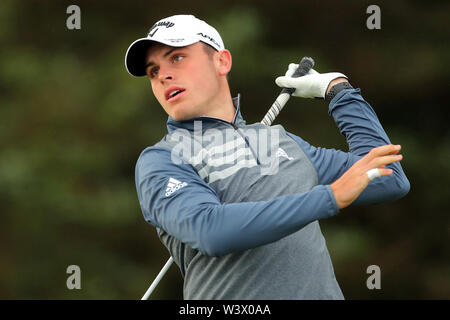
[174,93]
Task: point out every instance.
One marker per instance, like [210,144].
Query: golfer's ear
[223,62]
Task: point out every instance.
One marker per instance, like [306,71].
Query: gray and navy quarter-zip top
[238,205]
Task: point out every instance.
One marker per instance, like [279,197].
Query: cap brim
[135,56]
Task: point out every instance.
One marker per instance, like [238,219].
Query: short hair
[210,52]
[208,49]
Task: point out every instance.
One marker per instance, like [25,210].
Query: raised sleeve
[358,122]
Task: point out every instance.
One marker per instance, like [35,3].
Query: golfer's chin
[182,113]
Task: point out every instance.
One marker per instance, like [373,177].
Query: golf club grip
[304,66]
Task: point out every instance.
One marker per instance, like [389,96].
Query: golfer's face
[184,80]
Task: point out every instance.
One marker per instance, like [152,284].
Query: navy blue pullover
[238,205]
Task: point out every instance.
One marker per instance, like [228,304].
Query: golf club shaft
[303,68]
[158,278]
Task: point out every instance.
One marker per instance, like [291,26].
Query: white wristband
[373,173]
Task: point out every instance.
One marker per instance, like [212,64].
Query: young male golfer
[237,205]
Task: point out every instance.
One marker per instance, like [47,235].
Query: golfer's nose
[165,75]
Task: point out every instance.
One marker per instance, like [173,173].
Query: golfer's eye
[177,58]
[153,72]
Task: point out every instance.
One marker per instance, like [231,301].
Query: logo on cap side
[209,38]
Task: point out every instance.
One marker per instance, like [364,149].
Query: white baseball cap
[174,31]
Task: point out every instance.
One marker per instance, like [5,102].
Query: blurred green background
[73,123]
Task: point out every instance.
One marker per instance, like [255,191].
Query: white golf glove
[311,85]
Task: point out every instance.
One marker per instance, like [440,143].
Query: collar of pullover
[208,122]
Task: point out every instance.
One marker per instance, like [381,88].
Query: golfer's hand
[350,185]
[311,85]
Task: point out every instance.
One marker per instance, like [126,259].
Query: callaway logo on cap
[174,31]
